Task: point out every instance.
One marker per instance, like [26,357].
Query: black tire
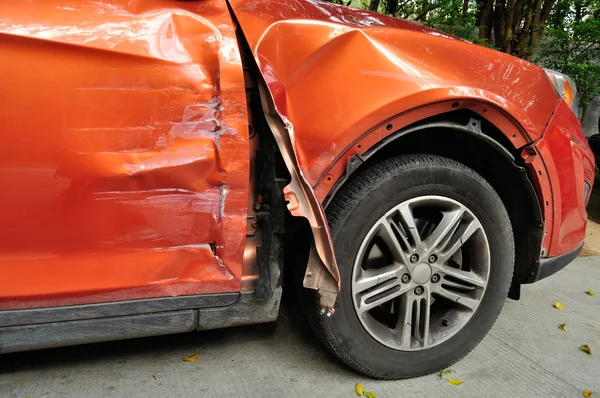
[351,214]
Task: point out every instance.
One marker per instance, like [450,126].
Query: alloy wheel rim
[420,273]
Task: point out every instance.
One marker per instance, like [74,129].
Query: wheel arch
[465,136]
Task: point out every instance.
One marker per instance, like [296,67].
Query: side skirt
[112,309]
[248,309]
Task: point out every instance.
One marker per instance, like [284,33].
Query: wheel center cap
[421,273]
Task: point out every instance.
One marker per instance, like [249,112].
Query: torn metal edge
[302,202]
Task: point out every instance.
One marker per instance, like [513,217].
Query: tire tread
[341,207]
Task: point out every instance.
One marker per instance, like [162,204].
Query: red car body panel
[346,78]
[124,160]
[569,164]
[124,151]
[335,73]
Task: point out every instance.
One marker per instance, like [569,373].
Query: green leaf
[445,372]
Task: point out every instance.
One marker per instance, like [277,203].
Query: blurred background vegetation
[563,35]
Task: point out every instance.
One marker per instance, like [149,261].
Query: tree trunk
[374,5]
[500,24]
[465,8]
[578,10]
[536,32]
[480,4]
[486,20]
[424,10]
[509,27]
[391,7]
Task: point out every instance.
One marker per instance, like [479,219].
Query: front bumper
[561,166]
[548,266]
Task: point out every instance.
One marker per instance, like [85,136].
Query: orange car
[163,163]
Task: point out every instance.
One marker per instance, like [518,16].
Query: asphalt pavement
[525,355]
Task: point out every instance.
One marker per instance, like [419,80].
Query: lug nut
[418,290]
[405,278]
[414,258]
[432,258]
[435,278]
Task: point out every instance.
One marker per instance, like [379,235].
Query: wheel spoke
[414,319]
[393,240]
[367,279]
[408,222]
[404,326]
[421,319]
[460,237]
[460,299]
[468,279]
[444,231]
[376,287]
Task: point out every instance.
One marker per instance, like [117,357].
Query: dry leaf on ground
[591,292]
[358,388]
[155,375]
[443,372]
[586,393]
[559,306]
[455,382]
[585,348]
[562,327]
[191,358]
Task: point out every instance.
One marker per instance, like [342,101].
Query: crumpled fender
[336,75]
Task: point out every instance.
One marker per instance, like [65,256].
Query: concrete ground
[525,354]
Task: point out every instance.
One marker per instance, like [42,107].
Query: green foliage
[445,15]
[450,18]
[572,45]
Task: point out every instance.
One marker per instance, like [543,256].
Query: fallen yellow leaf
[591,292]
[358,388]
[443,372]
[562,326]
[369,394]
[191,358]
[455,382]
[585,348]
[586,393]
[559,306]
[155,375]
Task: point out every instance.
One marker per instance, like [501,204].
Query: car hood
[273,11]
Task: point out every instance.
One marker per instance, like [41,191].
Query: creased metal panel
[123,151]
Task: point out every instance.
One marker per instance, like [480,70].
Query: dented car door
[124,151]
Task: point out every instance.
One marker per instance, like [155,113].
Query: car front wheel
[425,250]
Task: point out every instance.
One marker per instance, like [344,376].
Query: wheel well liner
[467,138]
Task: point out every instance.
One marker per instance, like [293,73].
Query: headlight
[565,88]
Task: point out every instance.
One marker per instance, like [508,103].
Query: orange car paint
[124,151]
[354,73]
[341,76]
[568,163]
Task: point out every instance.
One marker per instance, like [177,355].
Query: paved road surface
[524,355]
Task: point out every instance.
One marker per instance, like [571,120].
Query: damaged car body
[165,162]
